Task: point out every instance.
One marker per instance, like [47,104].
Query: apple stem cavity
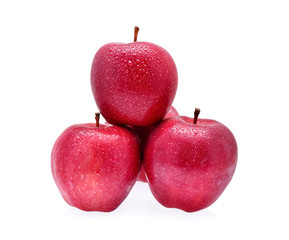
[97,119]
[196,115]
[136,30]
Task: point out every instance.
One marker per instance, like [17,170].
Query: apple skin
[134,83]
[188,166]
[96,167]
[143,133]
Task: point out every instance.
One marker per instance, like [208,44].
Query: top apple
[134,83]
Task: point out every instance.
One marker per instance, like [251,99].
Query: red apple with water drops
[189,161]
[133,83]
[95,166]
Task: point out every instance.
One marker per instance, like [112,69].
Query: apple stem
[97,119]
[136,29]
[196,115]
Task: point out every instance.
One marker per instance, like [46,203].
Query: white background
[233,63]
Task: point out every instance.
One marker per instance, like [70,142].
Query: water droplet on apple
[129,63]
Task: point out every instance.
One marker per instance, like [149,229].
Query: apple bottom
[189,194]
[91,195]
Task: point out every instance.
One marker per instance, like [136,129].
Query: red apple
[189,162]
[143,133]
[95,166]
[134,83]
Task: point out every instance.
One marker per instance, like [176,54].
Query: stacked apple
[187,162]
